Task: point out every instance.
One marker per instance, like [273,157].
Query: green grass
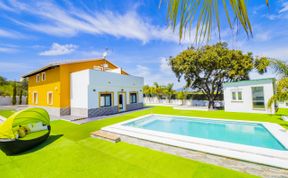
[6,113]
[70,152]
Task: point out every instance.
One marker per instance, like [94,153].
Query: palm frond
[181,14]
[280,67]
[281,92]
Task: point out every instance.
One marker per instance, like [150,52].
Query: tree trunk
[211,104]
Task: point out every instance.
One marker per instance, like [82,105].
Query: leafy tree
[20,96]
[3,81]
[158,90]
[201,15]
[146,90]
[207,68]
[14,101]
[281,68]
[168,91]
[182,95]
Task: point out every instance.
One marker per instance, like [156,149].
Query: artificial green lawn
[6,113]
[70,152]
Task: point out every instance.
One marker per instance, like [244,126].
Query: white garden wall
[7,100]
[188,102]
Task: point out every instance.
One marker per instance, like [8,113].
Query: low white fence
[188,102]
[7,100]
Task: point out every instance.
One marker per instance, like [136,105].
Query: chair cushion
[34,135]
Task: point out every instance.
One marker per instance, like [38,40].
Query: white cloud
[164,66]
[284,8]
[162,75]
[275,52]
[262,36]
[8,48]
[72,21]
[10,34]
[5,7]
[282,13]
[57,50]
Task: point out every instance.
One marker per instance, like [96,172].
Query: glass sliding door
[258,98]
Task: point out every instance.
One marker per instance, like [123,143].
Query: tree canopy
[7,87]
[207,68]
[159,91]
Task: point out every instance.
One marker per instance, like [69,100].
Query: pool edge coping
[272,154]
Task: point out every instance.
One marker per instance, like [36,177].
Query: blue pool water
[235,132]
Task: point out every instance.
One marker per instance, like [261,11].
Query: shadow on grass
[284,125]
[50,139]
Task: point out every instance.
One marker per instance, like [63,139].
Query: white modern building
[249,96]
[96,93]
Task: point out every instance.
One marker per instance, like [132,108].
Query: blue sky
[35,33]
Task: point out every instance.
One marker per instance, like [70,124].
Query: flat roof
[249,82]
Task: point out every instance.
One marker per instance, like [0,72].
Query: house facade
[50,87]
[95,93]
[249,96]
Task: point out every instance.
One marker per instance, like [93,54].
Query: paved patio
[81,120]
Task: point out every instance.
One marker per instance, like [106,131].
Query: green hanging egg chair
[24,130]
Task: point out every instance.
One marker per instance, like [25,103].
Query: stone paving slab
[85,120]
[230,163]
[106,136]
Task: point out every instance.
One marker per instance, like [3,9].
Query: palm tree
[187,14]
[158,90]
[168,91]
[281,94]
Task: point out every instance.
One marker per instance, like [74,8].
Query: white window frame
[237,95]
[35,100]
[38,78]
[43,76]
[52,98]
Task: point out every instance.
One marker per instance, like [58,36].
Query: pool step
[106,136]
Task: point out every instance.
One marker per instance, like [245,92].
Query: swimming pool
[253,134]
[258,142]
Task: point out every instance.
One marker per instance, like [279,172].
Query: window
[105,100]
[258,98]
[37,78]
[35,98]
[237,96]
[234,96]
[133,97]
[43,76]
[50,98]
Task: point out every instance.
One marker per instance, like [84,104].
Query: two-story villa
[85,88]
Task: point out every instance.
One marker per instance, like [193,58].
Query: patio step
[106,136]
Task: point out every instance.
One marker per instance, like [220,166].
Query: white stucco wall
[78,90]
[246,105]
[112,82]
[86,85]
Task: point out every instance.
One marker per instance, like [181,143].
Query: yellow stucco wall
[67,69]
[51,84]
[58,81]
